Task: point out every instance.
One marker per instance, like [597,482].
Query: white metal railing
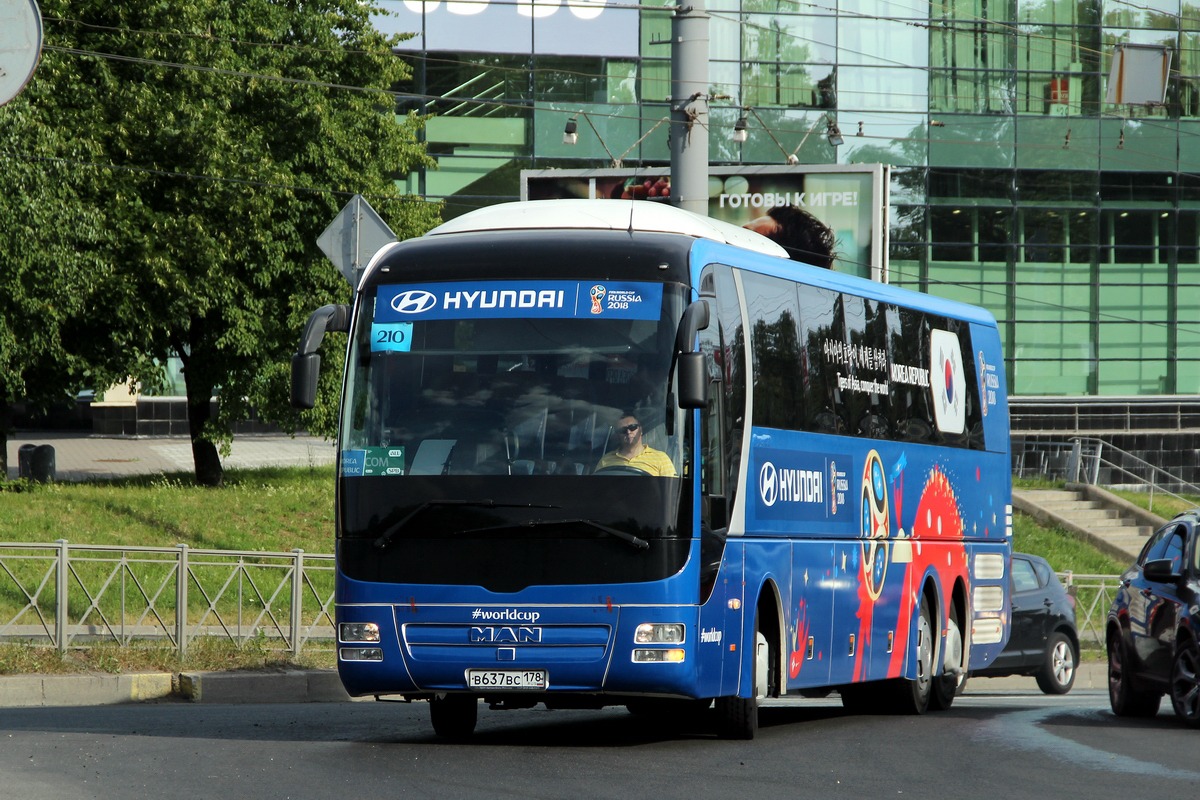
[75,595]
[1034,414]
[1093,597]
[72,595]
[1083,459]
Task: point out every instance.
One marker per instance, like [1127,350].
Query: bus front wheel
[737,717]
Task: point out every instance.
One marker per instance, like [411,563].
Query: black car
[1153,626]
[1043,641]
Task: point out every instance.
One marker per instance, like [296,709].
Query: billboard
[851,199]
[566,27]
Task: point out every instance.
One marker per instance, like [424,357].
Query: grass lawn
[275,509]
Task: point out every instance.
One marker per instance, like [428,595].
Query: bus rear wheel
[454,715]
[949,684]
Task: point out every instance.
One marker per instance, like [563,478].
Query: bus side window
[909,409]
[820,333]
[722,423]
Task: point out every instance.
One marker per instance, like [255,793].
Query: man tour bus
[835,514]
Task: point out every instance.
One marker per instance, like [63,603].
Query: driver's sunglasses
[630,428]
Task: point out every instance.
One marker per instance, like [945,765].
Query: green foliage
[176,164]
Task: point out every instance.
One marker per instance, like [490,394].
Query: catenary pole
[689,108]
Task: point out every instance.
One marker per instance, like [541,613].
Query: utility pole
[689,108]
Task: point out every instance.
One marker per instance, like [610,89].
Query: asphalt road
[1010,745]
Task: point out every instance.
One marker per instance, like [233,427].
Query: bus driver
[633,452]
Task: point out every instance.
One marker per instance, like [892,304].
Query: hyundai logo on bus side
[414,301]
[505,635]
[787,485]
[768,483]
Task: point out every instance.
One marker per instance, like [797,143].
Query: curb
[308,686]
[1089,676]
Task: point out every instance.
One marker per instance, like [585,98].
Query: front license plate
[506,678]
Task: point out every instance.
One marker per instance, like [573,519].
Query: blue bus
[827,506]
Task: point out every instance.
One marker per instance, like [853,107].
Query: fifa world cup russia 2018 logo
[598,293]
[876,525]
[983,370]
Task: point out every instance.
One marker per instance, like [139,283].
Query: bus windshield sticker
[353,462]
[518,299]
[393,337]
[373,461]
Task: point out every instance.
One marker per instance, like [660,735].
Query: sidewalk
[293,686]
[81,455]
[317,686]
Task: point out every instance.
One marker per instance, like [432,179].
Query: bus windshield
[479,414]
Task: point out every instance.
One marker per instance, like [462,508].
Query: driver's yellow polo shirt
[656,462]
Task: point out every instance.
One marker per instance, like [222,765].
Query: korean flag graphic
[948,382]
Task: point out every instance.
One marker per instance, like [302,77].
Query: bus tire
[454,715]
[737,717]
[950,683]
[912,696]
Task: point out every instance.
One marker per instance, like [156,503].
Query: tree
[226,137]
[51,240]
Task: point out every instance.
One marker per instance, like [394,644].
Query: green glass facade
[1015,184]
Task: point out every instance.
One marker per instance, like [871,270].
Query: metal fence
[1093,596]
[1083,459]
[76,595]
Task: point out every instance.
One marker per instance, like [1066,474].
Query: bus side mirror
[686,365]
[693,381]
[305,369]
[695,319]
[306,363]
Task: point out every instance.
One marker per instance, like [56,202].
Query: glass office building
[1018,182]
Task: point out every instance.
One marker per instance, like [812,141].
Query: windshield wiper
[634,541]
[386,537]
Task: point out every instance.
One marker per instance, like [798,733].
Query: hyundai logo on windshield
[531,299]
[414,301]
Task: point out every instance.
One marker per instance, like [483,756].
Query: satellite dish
[20,45]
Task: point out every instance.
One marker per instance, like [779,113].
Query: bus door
[721,627]
[722,558]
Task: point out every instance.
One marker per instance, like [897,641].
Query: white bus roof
[616,215]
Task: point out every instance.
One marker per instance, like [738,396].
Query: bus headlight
[360,653]
[657,656]
[659,633]
[358,632]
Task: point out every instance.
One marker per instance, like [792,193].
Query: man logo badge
[504,635]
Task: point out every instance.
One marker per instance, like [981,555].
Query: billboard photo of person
[804,236]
